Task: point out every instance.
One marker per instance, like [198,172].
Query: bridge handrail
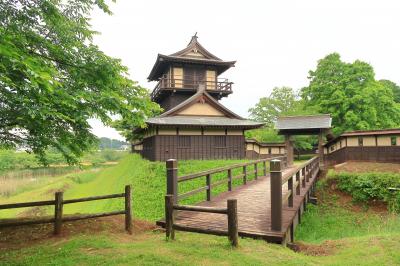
[173,179]
[295,179]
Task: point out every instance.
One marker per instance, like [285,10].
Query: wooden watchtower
[194,125]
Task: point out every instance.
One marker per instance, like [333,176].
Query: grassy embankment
[147,179]
[336,231]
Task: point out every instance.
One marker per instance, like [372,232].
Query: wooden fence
[59,203]
[230,211]
[173,179]
[296,181]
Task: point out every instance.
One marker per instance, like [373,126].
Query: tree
[282,101]
[350,93]
[394,87]
[53,78]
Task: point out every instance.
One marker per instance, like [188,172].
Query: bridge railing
[173,180]
[297,180]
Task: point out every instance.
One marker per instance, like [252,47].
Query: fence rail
[59,202]
[296,180]
[173,179]
[230,211]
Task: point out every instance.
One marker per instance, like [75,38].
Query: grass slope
[197,249]
[147,179]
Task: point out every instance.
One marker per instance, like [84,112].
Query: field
[335,232]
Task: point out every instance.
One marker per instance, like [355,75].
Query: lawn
[147,179]
[195,249]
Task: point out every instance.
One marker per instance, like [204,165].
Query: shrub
[370,186]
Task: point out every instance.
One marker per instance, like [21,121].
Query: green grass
[147,178]
[197,249]
[326,222]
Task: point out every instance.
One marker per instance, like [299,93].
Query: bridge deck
[254,211]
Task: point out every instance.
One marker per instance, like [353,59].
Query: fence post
[265,168]
[128,209]
[58,212]
[276,194]
[172,179]
[169,217]
[308,173]
[290,189]
[208,183]
[298,183]
[303,174]
[255,171]
[229,179]
[232,222]
[244,175]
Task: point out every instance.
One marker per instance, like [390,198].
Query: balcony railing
[220,86]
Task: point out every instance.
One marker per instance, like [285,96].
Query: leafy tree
[53,78]
[350,93]
[394,87]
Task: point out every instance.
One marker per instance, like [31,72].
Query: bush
[370,186]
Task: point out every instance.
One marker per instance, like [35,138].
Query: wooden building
[261,150]
[194,125]
[366,145]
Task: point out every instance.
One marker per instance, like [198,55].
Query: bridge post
[276,194]
[298,182]
[172,178]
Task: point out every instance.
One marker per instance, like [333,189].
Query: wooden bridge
[268,207]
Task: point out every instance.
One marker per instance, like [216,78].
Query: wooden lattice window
[184,141]
[220,141]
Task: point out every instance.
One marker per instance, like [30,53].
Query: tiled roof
[372,132]
[203,121]
[304,122]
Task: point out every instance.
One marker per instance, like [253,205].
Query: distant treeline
[112,144]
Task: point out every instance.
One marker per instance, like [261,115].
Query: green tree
[350,93]
[394,87]
[281,101]
[53,78]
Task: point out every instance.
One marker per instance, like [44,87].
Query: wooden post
[58,212]
[276,194]
[290,190]
[128,209]
[255,171]
[298,183]
[172,179]
[321,149]
[289,151]
[303,174]
[244,175]
[169,217]
[229,179]
[265,168]
[208,183]
[308,173]
[232,222]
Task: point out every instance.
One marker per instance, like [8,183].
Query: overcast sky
[275,43]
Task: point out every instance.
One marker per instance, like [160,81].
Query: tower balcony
[167,85]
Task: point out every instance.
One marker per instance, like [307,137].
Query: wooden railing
[230,211]
[59,203]
[296,179]
[166,83]
[173,179]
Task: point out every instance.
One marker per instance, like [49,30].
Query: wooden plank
[27,204]
[192,192]
[200,209]
[111,196]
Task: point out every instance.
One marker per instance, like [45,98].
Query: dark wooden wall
[384,154]
[161,148]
